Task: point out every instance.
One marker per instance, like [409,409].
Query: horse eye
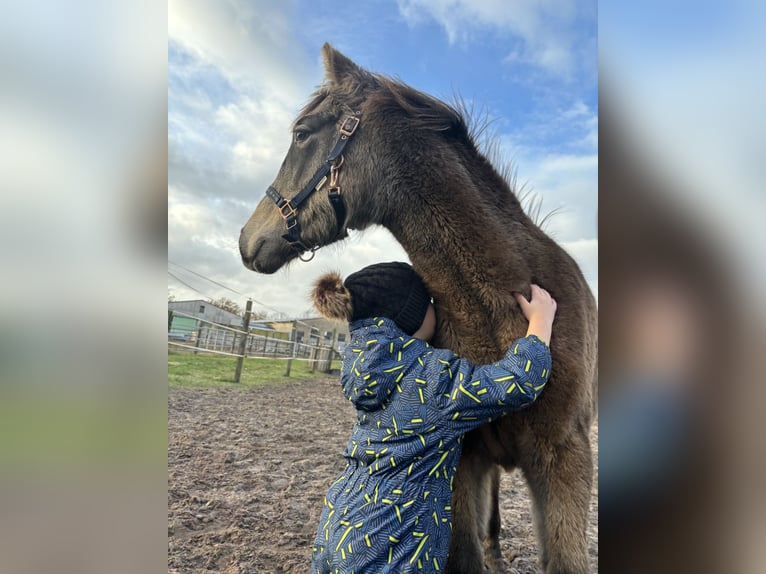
[300,136]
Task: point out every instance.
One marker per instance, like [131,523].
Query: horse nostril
[248,261]
[246,254]
[249,254]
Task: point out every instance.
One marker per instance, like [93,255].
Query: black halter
[288,208]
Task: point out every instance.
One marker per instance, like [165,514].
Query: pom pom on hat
[331,298]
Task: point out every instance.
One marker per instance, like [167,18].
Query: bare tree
[226,305]
[256,315]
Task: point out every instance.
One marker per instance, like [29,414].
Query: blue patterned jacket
[389,511]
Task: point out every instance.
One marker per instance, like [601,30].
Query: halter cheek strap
[288,208]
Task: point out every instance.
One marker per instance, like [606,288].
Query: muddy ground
[248,469]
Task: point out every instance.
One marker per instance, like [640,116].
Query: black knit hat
[393,290]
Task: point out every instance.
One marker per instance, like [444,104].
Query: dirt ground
[248,469]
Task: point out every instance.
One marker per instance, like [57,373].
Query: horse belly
[562,408]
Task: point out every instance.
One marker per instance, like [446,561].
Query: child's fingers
[542,294]
[538,292]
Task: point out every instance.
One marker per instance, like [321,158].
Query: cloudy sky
[239,71]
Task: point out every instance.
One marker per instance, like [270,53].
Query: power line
[261,303]
[185,283]
[206,278]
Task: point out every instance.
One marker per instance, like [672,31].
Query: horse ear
[338,67]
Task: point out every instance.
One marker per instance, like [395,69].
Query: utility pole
[243,341]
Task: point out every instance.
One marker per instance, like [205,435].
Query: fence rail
[213,338]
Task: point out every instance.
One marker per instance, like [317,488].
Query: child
[389,511]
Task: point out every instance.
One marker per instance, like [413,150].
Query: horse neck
[465,233]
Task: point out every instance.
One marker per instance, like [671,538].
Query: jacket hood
[370,366]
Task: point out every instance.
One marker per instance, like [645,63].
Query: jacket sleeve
[471,395]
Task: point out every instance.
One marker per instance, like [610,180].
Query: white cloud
[261,129]
[545,28]
[570,163]
[576,110]
[252,44]
[585,252]
[582,118]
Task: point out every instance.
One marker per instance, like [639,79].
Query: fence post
[333,345]
[328,357]
[293,335]
[243,342]
[312,359]
[199,336]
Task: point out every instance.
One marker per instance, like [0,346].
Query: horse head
[346,167]
[312,200]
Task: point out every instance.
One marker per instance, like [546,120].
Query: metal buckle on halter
[286,210]
[349,125]
[334,176]
[290,222]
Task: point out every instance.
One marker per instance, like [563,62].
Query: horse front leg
[493,555]
[560,478]
[472,502]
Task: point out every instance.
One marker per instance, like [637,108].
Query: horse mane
[389,95]
[459,121]
[424,111]
[463,123]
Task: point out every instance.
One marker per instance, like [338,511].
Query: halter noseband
[288,208]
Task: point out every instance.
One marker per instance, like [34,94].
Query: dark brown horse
[402,159]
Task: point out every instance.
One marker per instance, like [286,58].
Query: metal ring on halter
[311,253]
